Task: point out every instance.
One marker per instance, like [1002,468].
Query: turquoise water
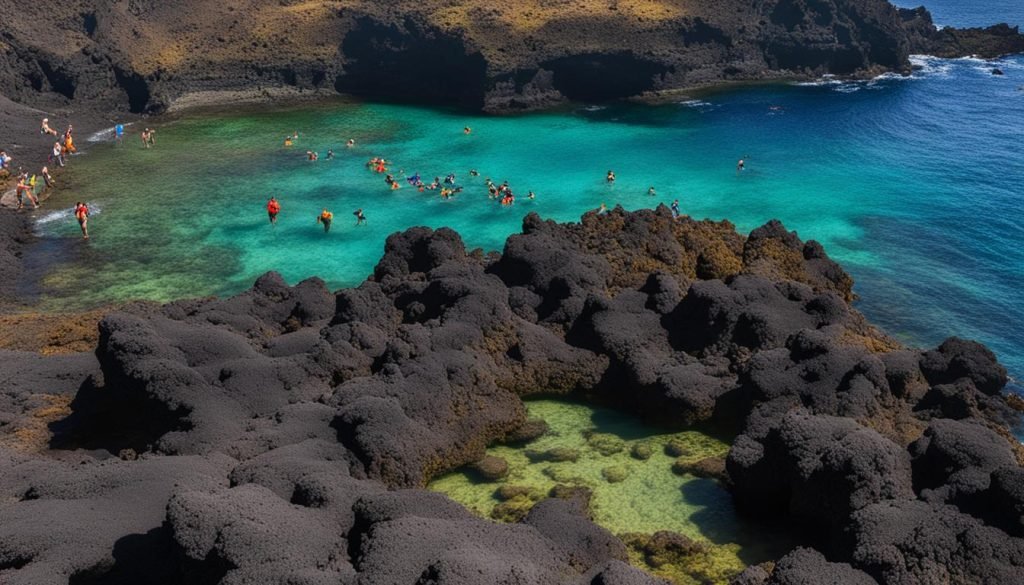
[914,184]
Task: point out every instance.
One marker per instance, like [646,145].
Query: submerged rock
[615,474]
[491,468]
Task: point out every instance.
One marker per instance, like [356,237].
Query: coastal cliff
[260,438]
[141,55]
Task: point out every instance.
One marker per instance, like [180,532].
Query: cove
[911,183]
[627,470]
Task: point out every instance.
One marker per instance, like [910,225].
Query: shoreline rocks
[320,415]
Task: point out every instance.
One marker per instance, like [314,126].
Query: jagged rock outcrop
[141,55]
[283,435]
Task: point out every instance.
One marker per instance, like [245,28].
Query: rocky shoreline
[283,435]
[141,56]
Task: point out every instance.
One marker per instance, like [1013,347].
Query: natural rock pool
[641,481]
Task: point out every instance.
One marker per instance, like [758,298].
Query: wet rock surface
[284,435]
[140,56]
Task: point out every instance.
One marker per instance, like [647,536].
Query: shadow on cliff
[411,63]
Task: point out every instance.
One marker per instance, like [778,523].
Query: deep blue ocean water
[915,184]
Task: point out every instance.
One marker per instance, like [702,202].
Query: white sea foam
[695,103]
[56,217]
[104,135]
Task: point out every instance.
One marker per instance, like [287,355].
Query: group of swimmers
[325,218]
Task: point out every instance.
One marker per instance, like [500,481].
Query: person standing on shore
[119,134]
[5,161]
[325,218]
[273,208]
[675,209]
[50,184]
[44,128]
[82,215]
[57,155]
[24,189]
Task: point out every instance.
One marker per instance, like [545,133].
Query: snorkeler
[610,178]
[531,195]
[467,130]
[82,215]
[330,154]
[675,209]
[360,217]
[325,217]
[740,166]
[474,173]
[273,208]
[651,191]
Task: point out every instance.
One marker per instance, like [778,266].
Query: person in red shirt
[273,208]
[82,215]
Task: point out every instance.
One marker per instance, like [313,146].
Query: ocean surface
[915,184]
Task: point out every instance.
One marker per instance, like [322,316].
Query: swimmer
[740,166]
[467,130]
[311,156]
[82,215]
[675,209]
[295,135]
[610,178]
[325,217]
[45,128]
[351,142]
[360,218]
[651,191]
[330,154]
[273,208]
[287,140]
[474,173]
[531,195]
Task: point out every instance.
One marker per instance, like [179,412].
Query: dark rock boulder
[818,470]
[954,460]
[805,566]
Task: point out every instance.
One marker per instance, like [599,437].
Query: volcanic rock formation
[140,55]
[283,435]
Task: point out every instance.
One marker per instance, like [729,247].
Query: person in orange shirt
[326,217]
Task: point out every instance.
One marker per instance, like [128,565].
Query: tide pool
[912,183]
[630,495]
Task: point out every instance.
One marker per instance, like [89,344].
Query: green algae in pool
[603,450]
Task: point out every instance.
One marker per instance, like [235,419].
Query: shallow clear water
[913,184]
[649,499]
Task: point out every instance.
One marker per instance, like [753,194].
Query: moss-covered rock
[490,468]
[558,454]
[641,451]
[664,547]
[615,473]
[709,467]
[513,510]
[572,492]
[605,443]
[530,430]
[677,448]
[562,475]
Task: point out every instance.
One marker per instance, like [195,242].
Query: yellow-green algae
[631,496]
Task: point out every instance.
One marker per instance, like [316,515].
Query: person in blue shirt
[119,133]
